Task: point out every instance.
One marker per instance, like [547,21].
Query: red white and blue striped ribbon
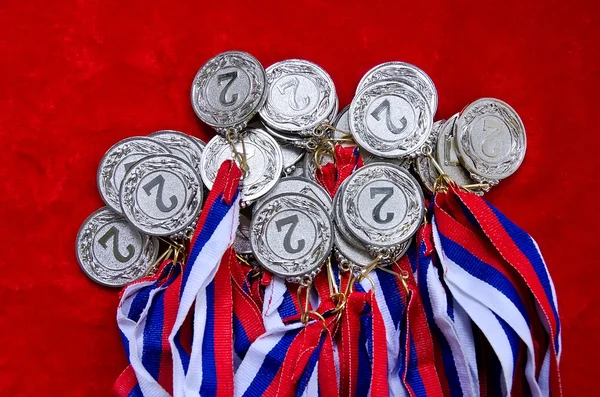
[247,317]
[449,324]
[418,370]
[494,271]
[145,317]
[208,368]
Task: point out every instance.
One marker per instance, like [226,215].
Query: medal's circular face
[118,160]
[111,251]
[161,195]
[291,235]
[298,185]
[263,155]
[229,89]
[490,138]
[390,119]
[447,156]
[382,205]
[300,95]
[184,146]
[423,166]
[404,72]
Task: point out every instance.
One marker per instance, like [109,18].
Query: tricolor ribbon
[206,296]
[145,317]
[496,273]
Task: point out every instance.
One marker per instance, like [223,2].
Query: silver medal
[263,156]
[298,185]
[229,90]
[424,168]
[184,146]
[292,236]
[300,96]
[161,195]
[118,160]
[491,139]
[391,120]
[446,154]
[405,72]
[382,205]
[111,251]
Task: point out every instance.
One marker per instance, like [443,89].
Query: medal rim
[326,249]
[470,161]
[146,241]
[255,105]
[419,201]
[321,116]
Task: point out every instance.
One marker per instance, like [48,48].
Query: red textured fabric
[77,76]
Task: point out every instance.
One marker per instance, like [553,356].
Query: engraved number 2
[491,143]
[113,233]
[385,106]
[287,243]
[387,193]
[229,78]
[293,83]
[160,182]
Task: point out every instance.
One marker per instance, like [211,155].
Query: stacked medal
[337,246]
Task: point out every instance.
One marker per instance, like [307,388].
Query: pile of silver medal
[280,125]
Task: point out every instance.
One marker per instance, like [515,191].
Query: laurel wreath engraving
[91,266]
[306,264]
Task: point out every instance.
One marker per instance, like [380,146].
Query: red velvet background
[77,76]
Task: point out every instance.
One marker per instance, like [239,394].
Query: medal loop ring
[239,158]
[322,150]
